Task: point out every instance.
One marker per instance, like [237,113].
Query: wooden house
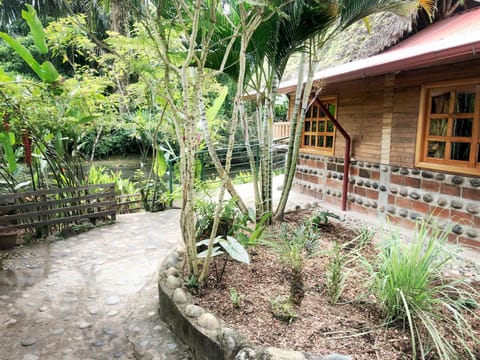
[413,116]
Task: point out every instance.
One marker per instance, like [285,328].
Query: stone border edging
[207,336]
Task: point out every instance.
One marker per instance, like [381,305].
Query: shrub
[294,246]
[411,290]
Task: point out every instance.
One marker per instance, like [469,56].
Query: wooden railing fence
[281,130]
[47,211]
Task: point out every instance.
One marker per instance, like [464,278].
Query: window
[318,131]
[448,137]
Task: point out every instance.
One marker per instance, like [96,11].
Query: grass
[410,287]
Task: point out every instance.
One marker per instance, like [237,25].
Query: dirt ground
[353,326]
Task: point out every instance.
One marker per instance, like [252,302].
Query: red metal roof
[456,38]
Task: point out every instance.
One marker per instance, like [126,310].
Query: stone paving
[91,296]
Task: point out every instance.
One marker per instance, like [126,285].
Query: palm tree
[288,26]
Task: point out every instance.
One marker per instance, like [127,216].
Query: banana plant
[45,71]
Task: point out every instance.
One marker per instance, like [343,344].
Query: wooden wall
[363,108]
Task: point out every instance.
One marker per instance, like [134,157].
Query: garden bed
[354,326]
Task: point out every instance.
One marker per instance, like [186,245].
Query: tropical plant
[222,245]
[294,246]
[320,218]
[335,272]
[282,309]
[411,290]
[244,232]
[235,297]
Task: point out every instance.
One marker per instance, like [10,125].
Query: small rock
[173,282]
[28,341]
[112,300]
[179,296]
[473,209]
[93,310]
[456,204]
[117,354]
[280,354]
[70,299]
[10,322]
[172,271]
[472,233]
[98,343]
[208,321]
[109,331]
[84,325]
[475,182]
[457,180]
[403,212]
[442,202]
[428,198]
[113,313]
[194,311]
[43,308]
[427,175]
[58,331]
[30,357]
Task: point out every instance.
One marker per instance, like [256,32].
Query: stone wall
[398,193]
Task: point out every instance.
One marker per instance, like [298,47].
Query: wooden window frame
[315,149]
[471,167]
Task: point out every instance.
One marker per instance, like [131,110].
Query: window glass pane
[312,139]
[478,154]
[329,142]
[306,141]
[309,112]
[440,102]
[315,111]
[462,127]
[321,126]
[464,102]
[460,151]
[307,125]
[320,141]
[436,149]
[438,127]
[314,126]
[330,126]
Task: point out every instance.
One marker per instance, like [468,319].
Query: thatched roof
[357,42]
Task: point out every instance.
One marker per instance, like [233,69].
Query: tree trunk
[295,136]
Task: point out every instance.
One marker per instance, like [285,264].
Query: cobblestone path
[91,296]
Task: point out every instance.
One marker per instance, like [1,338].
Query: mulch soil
[353,326]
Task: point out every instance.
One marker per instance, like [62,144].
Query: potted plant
[8,237]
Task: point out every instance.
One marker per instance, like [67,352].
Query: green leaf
[9,154]
[251,214]
[160,165]
[22,184]
[46,72]
[59,144]
[206,241]
[235,250]
[215,252]
[3,76]
[87,119]
[50,74]
[36,28]
[213,110]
